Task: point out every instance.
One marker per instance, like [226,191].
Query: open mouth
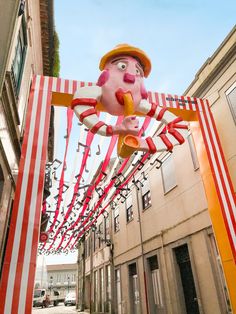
[120,95]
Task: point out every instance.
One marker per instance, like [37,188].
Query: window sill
[166,192]
[127,222]
[144,209]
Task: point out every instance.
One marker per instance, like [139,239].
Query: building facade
[155,251]
[27,35]
[62,277]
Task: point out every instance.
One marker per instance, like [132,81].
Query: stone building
[27,48]
[155,252]
[62,277]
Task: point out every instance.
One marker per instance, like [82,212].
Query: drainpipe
[165,266]
[91,273]
[112,269]
[83,275]
[142,250]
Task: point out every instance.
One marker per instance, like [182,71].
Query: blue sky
[178,36]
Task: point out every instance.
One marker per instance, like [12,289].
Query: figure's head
[124,69]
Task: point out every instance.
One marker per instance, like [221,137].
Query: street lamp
[68,280]
[51,282]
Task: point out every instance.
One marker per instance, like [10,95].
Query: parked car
[44,298]
[70,299]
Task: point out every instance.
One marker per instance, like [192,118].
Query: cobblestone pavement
[59,309]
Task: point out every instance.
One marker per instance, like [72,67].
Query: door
[187,280]
[134,290]
[155,295]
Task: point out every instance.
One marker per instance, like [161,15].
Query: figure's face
[125,74]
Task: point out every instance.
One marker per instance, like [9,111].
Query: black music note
[104,176]
[123,198]
[56,164]
[64,187]
[78,202]
[99,191]
[54,175]
[135,182]
[144,176]
[113,205]
[119,179]
[84,186]
[99,150]
[159,163]
[81,144]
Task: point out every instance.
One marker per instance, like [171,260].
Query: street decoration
[70,220]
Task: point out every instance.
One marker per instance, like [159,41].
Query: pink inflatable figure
[123,72]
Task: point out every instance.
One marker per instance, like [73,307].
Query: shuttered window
[231,97]
[168,174]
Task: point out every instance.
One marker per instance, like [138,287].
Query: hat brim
[130,51]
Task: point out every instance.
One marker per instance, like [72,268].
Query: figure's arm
[84,105]
[174,132]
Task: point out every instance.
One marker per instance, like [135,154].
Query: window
[168,174]
[20,53]
[100,234]
[58,278]
[193,152]
[87,247]
[146,195]
[116,220]
[146,198]
[96,291]
[129,209]
[134,293]
[1,182]
[108,289]
[95,241]
[118,291]
[231,97]
[107,227]
[101,290]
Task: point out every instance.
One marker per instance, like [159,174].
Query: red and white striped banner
[17,283]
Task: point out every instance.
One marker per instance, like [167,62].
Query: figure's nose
[129,78]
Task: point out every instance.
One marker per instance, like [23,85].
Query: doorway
[186,279]
[134,289]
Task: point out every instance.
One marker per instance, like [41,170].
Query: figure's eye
[121,65]
[138,72]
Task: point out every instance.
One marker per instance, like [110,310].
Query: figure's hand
[129,126]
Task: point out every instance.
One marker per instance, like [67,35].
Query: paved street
[59,309]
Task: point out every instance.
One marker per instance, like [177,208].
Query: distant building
[62,277]
[155,251]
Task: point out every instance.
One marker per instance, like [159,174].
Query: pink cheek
[103,78]
[144,93]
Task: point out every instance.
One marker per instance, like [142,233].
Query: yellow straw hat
[125,49]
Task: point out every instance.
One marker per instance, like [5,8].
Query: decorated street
[59,309]
[117,157]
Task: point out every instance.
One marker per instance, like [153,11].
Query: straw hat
[125,49]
